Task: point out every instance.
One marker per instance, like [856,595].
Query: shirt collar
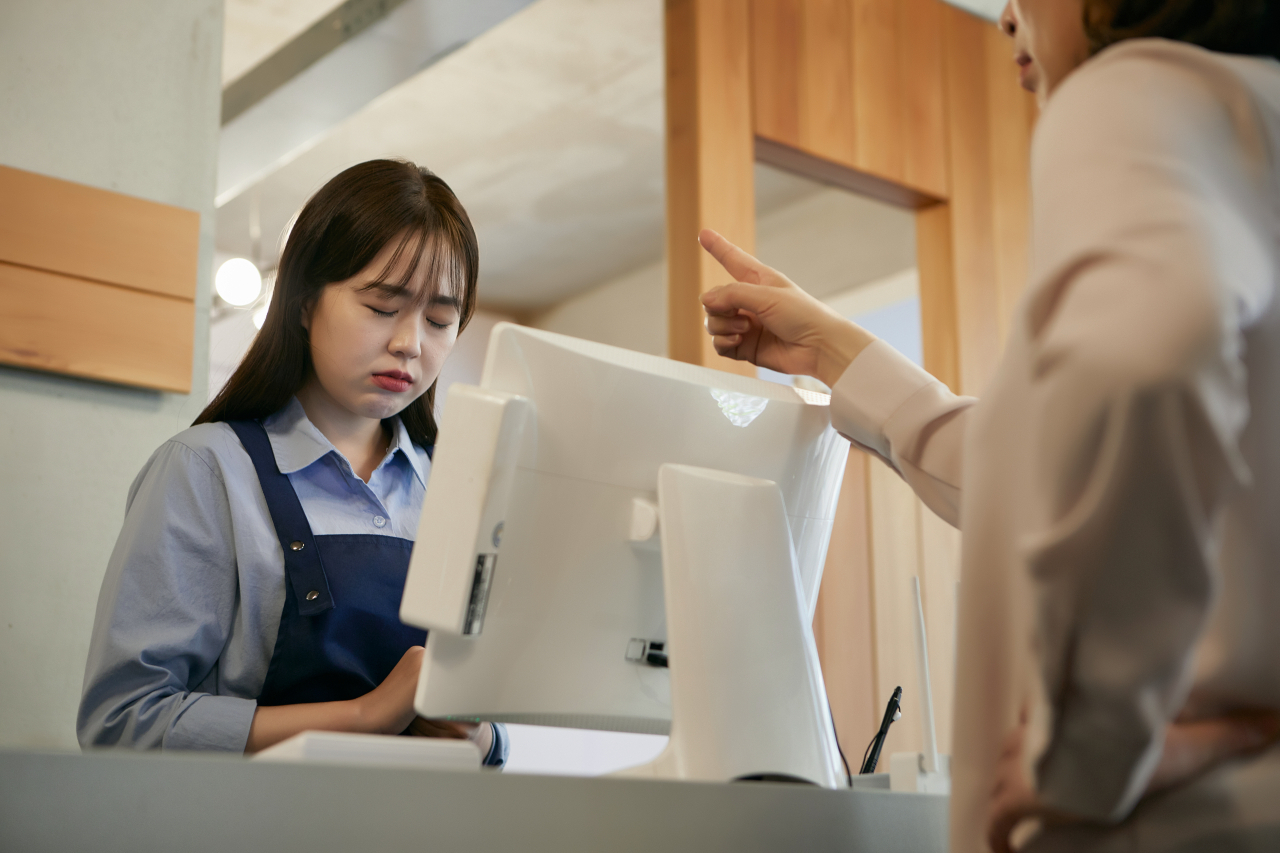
[297,443]
[401,443]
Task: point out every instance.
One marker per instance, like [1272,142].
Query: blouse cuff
[217,723]
[875,385]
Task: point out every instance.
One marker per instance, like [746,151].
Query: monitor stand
[747,696]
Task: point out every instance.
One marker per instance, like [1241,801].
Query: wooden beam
[857,83]
[825,171]
[710,161]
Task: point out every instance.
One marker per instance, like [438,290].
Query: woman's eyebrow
[443,299]
[386,288]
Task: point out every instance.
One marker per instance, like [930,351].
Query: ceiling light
[238,281]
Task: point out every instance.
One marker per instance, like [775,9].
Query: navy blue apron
[340,632]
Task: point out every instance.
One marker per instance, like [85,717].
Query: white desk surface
[119,801]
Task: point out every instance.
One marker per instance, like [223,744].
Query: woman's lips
[396,382]
[1023,62]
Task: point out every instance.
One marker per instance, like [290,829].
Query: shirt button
[313,595]
[379,521]
[296,546]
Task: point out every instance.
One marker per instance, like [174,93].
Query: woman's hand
[1013,800]
[1192,747]
[480,734]
[764,318]
[448,729]
[1195,746]
[388,708]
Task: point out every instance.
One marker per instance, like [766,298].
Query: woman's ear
[308,307]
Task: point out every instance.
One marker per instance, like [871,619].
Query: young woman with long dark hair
[1118,483]
[255,587]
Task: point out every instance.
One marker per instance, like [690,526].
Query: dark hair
[1250,27]
[337,234]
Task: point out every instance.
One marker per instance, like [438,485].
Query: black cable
[867,752]
[848,777]
[872,757]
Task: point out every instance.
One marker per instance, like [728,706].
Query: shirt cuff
[500,748]
[875,385]
[217,723]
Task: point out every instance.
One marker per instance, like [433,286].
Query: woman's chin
[382,405]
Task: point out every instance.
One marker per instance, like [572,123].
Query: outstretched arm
[881,401]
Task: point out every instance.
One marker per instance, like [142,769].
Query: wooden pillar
[913,102]
[973,251]
[710,161]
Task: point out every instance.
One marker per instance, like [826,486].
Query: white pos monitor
[594,514]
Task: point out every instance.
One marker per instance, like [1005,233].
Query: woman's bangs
[444,275]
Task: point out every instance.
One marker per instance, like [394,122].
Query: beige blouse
[1118,484]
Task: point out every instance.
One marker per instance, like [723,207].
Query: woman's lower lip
[390,383]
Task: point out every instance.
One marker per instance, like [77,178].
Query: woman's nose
[407,340]
[1008,19]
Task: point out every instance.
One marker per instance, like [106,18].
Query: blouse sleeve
[1152,253]
[888,406]
[164,616]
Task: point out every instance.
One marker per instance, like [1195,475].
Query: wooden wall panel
[842,624]
[96,284]
[854,82]
[939,331]
[939,574]
[90,233]
[907,540]
[920,65]
[84,328]
[989,130]
[1011,119]
[710,161]
[895,558]
[973,226]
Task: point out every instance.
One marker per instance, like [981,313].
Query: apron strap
[302,565]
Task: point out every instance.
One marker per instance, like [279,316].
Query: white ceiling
[255,29]
[549,129]
[987,8]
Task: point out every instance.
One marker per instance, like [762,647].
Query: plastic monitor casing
[570,590]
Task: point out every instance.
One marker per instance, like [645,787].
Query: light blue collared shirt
[191,603]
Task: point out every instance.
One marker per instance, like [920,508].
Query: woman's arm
[880,400]
[164,615]
[387,709]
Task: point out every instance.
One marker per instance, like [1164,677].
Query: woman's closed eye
[391,312]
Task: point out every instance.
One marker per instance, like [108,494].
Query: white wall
[125,96]
[830,242]
[629,311]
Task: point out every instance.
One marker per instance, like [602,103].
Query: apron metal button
[313,595]
[296,546]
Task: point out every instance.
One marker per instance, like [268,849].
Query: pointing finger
[736,262]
